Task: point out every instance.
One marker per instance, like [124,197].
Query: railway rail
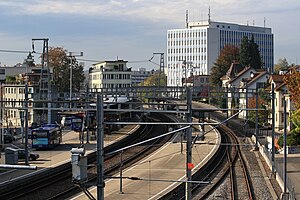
[57,183]
[235,167]
[227,162]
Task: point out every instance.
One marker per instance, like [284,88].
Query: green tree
[281,65]
[245,52]
[249,53]
[61,63]
[228,55]
[10,79]
[255,61]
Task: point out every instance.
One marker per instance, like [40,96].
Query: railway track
[227,162]
[57,183]
[240,185]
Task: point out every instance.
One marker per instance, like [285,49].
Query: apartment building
[109,76]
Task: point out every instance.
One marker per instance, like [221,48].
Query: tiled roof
[257,76]
[234,69]
[241,73]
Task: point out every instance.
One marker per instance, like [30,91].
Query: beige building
[13,103]
[109,76]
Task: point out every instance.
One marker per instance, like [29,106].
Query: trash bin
[11,156]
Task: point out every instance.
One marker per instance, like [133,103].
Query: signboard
[190,166]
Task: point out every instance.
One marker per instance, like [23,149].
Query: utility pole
[185,64]
[161,68]
[100,145]
[72,55]
[45,65]
[189,164]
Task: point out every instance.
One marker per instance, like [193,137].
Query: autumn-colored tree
[262,114]
[292,81]
[60,62]
[154,79]
[228,55]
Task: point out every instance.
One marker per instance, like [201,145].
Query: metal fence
[280,173]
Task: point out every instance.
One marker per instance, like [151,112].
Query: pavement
[59,155]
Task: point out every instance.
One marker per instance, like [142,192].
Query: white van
[66,121]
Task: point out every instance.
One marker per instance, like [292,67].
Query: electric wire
[79,59]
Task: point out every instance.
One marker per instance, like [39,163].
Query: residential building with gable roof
[248,89]
[281,92]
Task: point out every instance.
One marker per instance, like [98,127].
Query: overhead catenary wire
[81,59]
[13,51]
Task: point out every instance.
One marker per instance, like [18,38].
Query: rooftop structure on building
[194,49]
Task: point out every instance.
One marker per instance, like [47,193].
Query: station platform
[159,170]
[60,154]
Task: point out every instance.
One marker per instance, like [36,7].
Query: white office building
[195,49]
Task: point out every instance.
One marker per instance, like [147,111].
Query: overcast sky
[133,30]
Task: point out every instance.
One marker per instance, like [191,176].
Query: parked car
[8,138]
[31,155]
[66,121]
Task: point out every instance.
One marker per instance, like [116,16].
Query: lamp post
[256,119]
[72,55]
[285,194]
[273,129]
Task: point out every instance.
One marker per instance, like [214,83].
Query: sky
[133,30]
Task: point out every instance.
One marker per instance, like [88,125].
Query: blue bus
[47,136]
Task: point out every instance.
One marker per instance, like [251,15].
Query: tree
[293,139]
[282,65]
[153,80]
[296,120]
[249,53]
[10,79]
[262,114]
[245,52]
[292,81]
[228,55]
[255,60]
[60,62]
